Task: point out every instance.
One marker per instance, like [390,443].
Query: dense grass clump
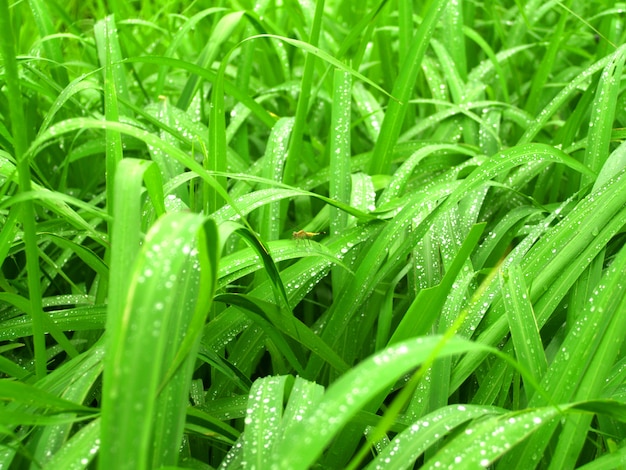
[279,234]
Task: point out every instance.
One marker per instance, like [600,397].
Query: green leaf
[141,413]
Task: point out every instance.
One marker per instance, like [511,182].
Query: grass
[462,304]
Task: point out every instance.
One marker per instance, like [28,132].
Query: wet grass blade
[603,115]
[141,425]
[342,400]
[27,210]
[428,304]
[410,66]
[522,322]
[597,338]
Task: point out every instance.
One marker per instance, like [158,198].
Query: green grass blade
[133,411]
[216,158]
[263,420]
[604,339]
[302,108]
[602,115]
[454,39]
[81,450]
[407,446]
[541,77]
[261,314]
[20,139]
[427,305]
[522,322]
[614,164]
[77,378]
[178,40]
[52,46]
[340,152]
[346,396]
[220,34]
[483,443]
[491,205]
[126,236]
[24,394]
[594,221]
[340,149]
[564,95]
[613,460]
[289,326]
[211,76]
[114,86]
[392,124]
[326,57]
[273,168]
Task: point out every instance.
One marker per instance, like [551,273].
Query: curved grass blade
[80,450]
[20,138]
[392,124]
[483,443]
[363,383]
[141,414]
[582,366]
[603,115]
[429,302]
[221,33]
[522,322]
[408,445]
[259,313]
[24,394]
[615,163]
[326,57]
[554,263]
[564,95]
[371,271]
[209,75]
[290,326]
[176,41]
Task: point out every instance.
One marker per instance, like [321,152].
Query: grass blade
[522,322]
[18,127]
[392,124]
[132,414]
[603,115]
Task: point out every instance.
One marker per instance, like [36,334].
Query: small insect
[304,235]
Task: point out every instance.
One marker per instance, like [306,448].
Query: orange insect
[304,235]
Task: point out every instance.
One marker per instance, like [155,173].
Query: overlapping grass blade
[564,95]
[19,143]
[408,445]
[410,65]
[80,450]
[302,108]
[138,432]
[555,262]
[480,445]
[367,275]
[114,85]
[52,45]
[522,322]
[273,168]
[572,376]
[428,304]
[603,115]
[301,447]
